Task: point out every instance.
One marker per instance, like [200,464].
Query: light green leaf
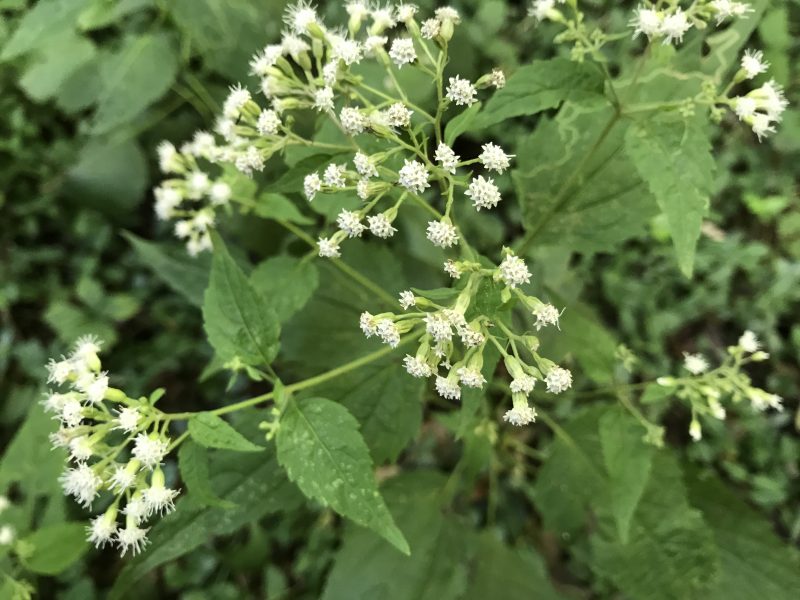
[441,547]
[276,206]
[285,283]
[541,85]
[627,460]
[193,464]
[135,76]
[211,431]
[185,275]
[674,158]
[324,454]
[51,549]
[46,19]
[461,123]
[239,324]
[253,482]
[55,61]
[104,13]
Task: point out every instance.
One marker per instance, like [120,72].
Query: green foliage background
[575,507]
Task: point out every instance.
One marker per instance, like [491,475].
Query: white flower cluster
[670,22]
[763,107]
[705,389]
[7,532]
[97,424]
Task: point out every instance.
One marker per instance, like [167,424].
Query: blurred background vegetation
[87,90]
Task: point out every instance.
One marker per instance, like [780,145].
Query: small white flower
[761,125]
[494,158]
[123,478]
[558,380]
[96,390]
[82,483]
[268,122]
[357,9]
[431,28]
[364,165]
[198,244]
[546,314]
[452,269]
[132,538]
[330,74]
[328,248]
[446,158]
[417,367]
[312,184]
[414,176]
[7,535]
[744,107]
[674,26]
[513,271]
[388,331]
[169,161]
[352,120]
[264,60]
[438,327]
[350,222]
[402,51]
[323,99]
[220,193]
[54,402]
[334,176]
[71,412]
[695,363]
[382,19]
[362,189]
[235,102]
[101,530]
[442,234]
[250,161]
[471,338]
[300,16]
[471,377]
[374,43]
[540,9]
[150,450]
[81,448]
[753,63]
[726,9]
[397,115]
[197,184]
[773,99]
[407,299]
[350,52]
[128,419]
[497,78]
[368,324]
[447,389]
[483,192]
[523,384]
[167,200]
[520,416]
[405,12]
[448,13]
[59,371]
[749,342]
[647,21]
[695,430]
[380,226]
[159,500]
[461,91]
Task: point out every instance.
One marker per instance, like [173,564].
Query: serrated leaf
[437,569]
[461,123]
[286,283]
[239,324]
[52,549]
[211,431]
[541,85]
[193,464]
[627,460]
[253,482]
[323,452]
[674,158]
[185,275]
[135,76]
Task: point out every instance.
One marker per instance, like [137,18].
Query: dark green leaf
[461,123]
[285,283]
[276,206]
[193,463]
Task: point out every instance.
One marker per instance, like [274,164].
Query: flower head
[402,52]
[442,234]
[483,193]
[461,91]
[695,363]
[558,380]
[414,176]
[513,271]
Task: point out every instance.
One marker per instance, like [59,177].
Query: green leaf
[674,158]
[593,345]
[185,275]
[461,123]
[193,463]
[577,186]
[46,19]
[239,324]
[276,206]
[386,402]
[54,62]
[102,14]
[211,431]
[50,550]
[541,85]
[754,562]
[285,283]
[135,76]
[438,567]
[320,447]
[253,482]
[627,460]
[518,572]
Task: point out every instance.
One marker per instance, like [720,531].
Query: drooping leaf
[286,283]
[51,549]
[674,157]
[239,323]
[211,431]
[135,76]
[323,452]
[185,275]
[541,85]
[437,568]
